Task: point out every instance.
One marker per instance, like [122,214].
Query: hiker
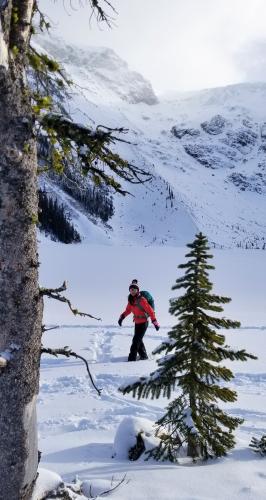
[142,310]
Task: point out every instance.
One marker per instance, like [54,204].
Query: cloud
[251,61]
[176,44]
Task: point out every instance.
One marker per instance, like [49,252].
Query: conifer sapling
[191,365]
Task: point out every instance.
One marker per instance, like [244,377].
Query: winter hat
[134,284]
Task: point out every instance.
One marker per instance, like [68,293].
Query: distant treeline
[54,220]
[95,199]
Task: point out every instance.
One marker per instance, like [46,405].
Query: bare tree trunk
[20,302]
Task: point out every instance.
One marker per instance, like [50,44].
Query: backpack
[148,297]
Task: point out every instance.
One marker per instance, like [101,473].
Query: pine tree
[191,365]
[259,445]
[27,111]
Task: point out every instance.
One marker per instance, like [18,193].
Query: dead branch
[54,293]
[66,351]
[114,488]
[51,328]
[99,12]
[104,493]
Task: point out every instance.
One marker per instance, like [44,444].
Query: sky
[176,44]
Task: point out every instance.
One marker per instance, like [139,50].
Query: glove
[121,320]
[156,325]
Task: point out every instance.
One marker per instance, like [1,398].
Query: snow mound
[47,481]
[127,432]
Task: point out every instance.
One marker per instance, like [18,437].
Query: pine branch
[43,22]
[66,351]
[74,143]
[54,293]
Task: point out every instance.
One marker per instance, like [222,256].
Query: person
[141,310]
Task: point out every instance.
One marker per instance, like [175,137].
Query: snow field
[77,428]
[98,277]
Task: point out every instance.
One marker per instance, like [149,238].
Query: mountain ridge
[208,147]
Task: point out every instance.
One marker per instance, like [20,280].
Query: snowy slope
[209,146]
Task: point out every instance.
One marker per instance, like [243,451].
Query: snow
[6,355]
[78,430]
[47,481]
[127,431]
[188,420]
[96,487]
[3,49]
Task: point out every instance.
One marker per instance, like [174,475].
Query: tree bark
[20,301]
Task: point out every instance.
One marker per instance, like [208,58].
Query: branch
[51,328]
[100,14]
[43,22]
[77,144]
[54,293]
[66,490]
[104,493]
[66,351]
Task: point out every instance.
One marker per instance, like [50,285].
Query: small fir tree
[191,364]
[259,445]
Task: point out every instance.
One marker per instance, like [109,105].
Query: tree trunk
[20,302]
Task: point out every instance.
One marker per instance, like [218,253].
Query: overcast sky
[176,44]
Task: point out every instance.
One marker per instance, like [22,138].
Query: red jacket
[140,316]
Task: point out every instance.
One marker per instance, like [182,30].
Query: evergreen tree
[27,111]
[191,364]
[53,220]
[259,445]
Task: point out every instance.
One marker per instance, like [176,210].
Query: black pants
[137,346]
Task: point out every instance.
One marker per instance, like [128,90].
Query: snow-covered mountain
[208,148]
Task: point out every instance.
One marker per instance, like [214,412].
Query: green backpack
[148,297]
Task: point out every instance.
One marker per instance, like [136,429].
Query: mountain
[206,151]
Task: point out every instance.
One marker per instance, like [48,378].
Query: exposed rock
[180,132]
[242,139]
[263,130]
[137,450]
[211,156]
[215,126]
[254,183]
[262,148]
[247,123]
